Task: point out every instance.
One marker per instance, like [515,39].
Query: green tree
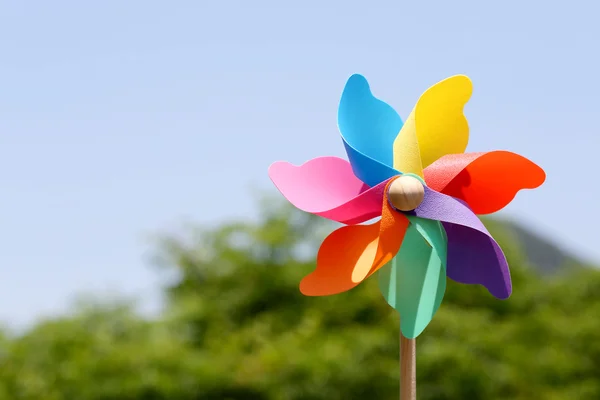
[239,299]
[235,327]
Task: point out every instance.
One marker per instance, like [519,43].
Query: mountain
[543,254]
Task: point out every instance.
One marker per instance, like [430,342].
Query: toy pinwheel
[416,176]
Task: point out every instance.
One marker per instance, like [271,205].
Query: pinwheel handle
[408,369]
[406,193]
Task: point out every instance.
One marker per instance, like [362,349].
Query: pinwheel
[415,176]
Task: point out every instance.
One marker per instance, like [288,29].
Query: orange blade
[352,253]
[487,182]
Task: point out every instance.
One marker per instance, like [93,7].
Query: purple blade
[474,257]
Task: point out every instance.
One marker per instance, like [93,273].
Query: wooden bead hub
[406,193]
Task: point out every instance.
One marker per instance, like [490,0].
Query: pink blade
[326,186]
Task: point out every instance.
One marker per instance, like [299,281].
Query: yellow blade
[435,127]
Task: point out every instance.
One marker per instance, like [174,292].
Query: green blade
[414,281]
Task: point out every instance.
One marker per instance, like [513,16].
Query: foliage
[235,327]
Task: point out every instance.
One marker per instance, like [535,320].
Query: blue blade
[369,127]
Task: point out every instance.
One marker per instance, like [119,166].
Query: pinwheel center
[406,193]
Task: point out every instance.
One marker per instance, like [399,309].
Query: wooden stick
[408,369]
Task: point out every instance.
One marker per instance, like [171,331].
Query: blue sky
[120,119]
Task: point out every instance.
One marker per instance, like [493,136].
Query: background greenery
[235,326]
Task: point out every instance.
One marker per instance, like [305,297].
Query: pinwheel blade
[351,254]
[368,127]
[326,186]
[435,127]
[487,182]
[474,257]
[414,282]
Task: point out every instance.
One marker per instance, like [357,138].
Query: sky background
[122,119]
